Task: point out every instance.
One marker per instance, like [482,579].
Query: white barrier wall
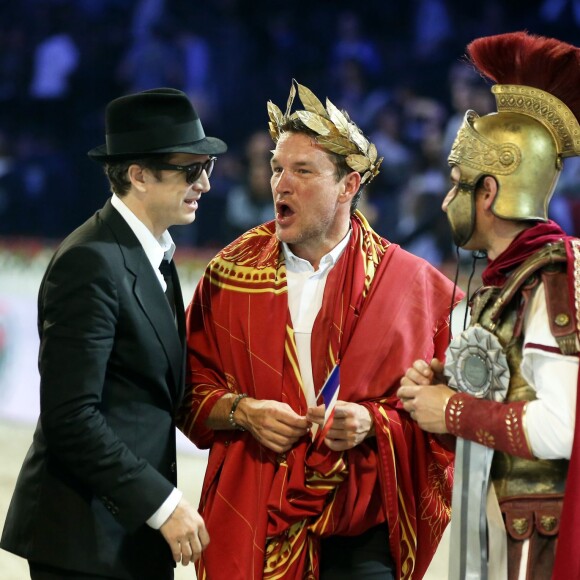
[21,270]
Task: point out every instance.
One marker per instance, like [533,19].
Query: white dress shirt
[305,292]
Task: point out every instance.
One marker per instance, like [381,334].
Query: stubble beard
[311,234]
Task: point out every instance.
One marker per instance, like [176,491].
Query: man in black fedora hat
[96,497]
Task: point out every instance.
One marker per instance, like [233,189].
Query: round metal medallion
[476,364]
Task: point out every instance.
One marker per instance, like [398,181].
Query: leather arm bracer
[499,426]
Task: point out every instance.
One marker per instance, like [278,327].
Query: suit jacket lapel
[151,297]
[180,315]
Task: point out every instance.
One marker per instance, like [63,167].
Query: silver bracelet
[233,410]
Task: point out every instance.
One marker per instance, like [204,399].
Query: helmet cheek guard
[461,214]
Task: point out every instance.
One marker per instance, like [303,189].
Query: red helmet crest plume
[519,58]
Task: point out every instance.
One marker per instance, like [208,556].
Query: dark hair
[116,171]
[339,161]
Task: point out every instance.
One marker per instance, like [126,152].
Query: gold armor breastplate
[514,475]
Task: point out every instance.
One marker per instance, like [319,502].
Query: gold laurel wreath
[335,130]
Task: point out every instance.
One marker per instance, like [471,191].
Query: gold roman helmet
[522,145]
[334,130]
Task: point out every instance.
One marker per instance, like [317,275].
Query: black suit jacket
[112,367]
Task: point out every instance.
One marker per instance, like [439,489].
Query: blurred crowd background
[396,66]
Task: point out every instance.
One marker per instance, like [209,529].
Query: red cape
[383,308]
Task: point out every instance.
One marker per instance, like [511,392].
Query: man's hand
[423,373]
[185,533]
[275,425]
[351,425]
[424,400]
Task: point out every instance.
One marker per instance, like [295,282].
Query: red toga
[383,308]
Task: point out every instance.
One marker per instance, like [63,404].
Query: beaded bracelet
[233,410]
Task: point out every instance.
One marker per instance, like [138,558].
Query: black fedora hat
[151,122]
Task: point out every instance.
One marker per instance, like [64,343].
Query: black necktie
[165,269]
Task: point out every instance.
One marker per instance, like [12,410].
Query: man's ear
[489,191]
[351,186]
[136,176]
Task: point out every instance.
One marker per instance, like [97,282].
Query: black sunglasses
[193,171]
